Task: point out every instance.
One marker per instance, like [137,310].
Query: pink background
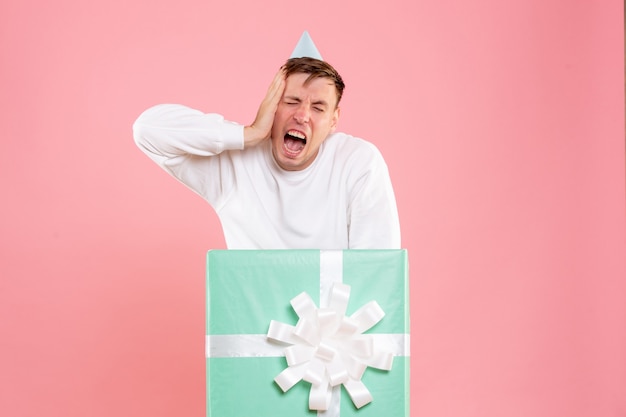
[503,126]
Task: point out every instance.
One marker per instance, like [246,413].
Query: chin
[289,166]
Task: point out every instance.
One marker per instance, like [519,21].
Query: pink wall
[502,123]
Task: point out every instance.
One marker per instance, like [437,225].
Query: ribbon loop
[308,331]
[280,332]
[303,305]
[297,354]
[290,376]
[368,315]
[339,297]
[319,397]
[359,394]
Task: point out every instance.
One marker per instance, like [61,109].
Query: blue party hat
[306,48]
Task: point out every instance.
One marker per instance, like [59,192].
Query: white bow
[327,348]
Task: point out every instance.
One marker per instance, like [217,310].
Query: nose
[302,114]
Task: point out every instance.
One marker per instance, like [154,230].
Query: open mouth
[294,142]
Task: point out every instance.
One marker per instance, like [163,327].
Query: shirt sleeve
[189,145]
[373,214]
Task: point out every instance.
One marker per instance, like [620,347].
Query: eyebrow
[315,103]
[320,103]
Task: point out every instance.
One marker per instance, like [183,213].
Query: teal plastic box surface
[248,289]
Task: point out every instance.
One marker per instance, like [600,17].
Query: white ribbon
[257,345]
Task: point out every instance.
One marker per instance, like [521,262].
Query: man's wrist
[252,136]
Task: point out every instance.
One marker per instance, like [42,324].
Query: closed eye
[291,100]
[319,106]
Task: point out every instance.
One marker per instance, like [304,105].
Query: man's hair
[316,69]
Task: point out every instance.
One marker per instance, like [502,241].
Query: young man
[286,181]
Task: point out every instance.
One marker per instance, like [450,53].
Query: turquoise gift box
[249,289]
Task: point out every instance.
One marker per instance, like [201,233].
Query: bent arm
[187,144]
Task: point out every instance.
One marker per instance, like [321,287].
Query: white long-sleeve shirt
[343,200]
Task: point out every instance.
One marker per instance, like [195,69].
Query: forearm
[168,131]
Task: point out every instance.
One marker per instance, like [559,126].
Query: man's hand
[261,129]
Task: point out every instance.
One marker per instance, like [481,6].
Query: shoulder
[351,149]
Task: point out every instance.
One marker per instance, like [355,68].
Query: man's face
[306,115]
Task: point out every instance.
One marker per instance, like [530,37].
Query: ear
[335,119]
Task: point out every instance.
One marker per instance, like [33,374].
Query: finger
[277,85]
